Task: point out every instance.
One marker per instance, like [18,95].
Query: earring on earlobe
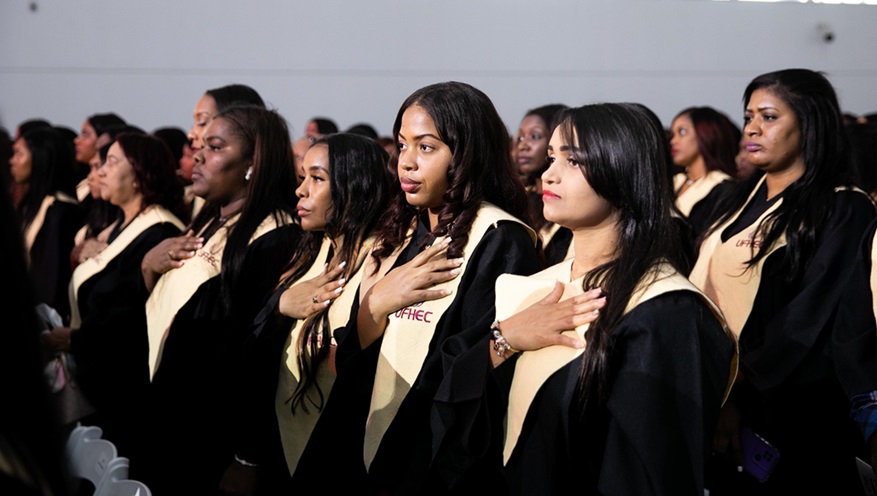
[249,173]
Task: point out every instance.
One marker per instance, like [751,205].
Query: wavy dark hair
[622,149]
[52,170]
[264,137]
[360,188]
[154,167]
[480,168]
[718,139]
[807,202]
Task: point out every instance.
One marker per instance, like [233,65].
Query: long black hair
[622,149]
[360,188]
[480,168]
[807,202]
[52,161]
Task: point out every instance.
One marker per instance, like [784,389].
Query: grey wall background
[355,61]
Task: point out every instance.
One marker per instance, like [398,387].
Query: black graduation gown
[50,268]
[111,355]
[668,372]
[402,465]
[789,392]
[195,392]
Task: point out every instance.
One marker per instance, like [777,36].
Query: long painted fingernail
[341,281]
[342,264]
[338,290]
[455,271]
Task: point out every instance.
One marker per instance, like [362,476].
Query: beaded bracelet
[500,345]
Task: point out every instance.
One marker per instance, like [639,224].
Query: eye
[213,148]
[746,119]
[536,137]
[549,160]
[573,161]
[301,178]
[682,132]
[317,178]
[426,148]
[401,146]
[769,117]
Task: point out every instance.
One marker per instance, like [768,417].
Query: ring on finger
[314,299]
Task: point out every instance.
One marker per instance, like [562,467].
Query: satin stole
[295,430]
[533,368]
[149,217]
[175,287]
[407,337]
[721,271]
[30,234]
[698,190]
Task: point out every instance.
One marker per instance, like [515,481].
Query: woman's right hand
[306,298]
[403,286]
[169,254]
[542,323]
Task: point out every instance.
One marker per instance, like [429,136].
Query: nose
[548,177]
[404,162]
[522,143]
[194,138]
[751,128]
[302,191]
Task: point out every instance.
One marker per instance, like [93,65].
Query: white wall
[356,61]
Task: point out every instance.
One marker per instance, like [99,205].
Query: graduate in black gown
[42,164]
[105,296]
[198,313]
[777,263]
[458,222]
[634,410]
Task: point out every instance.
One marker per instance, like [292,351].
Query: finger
[429,279]
[333,286]
[567,341]
[329,275]
[555,294]
[588,306]
[430,294]
[443,265]
[434,250]
[581,319]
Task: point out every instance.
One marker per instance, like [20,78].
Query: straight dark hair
[807,202]
[718,139]
[480,168]
[360,188]
[622,151]
[52,161]
[154,167]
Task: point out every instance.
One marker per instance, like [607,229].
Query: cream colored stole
[546,234]
[873,277]
[149,217]
[82,190]
[30,234]
[295,430]
[533,368]
[721,271]
[407,337]
[698,190]
[175,287]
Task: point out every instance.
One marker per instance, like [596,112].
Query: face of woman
[531,145]
[85,143]
[314,195]
[187,161]
[220,167]
[568,198]
[205,109]
[771,133]
[92,178]
[20,163]
[423,159]
[683,142]
[116,178]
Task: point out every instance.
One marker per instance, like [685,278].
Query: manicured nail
[455,271]
[338,290]
[342,264]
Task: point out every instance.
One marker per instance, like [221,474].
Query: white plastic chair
[91,458]
[116,482]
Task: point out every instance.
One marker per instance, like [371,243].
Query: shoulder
[670,317]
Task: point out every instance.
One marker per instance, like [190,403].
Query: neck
[433,218]
[696,170]
[594,246]
[778,181]
[131,209]
[232,207]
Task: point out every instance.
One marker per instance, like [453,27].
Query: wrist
[501,346]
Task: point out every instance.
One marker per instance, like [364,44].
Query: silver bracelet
[500,345]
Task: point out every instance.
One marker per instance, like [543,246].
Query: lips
[752,147]
[549,195]
[408,185]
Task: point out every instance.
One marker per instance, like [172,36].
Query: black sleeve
[855,330]
[670,366]
[50,256]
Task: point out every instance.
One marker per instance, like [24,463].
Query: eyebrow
[563,148]
[421,136]
[318,168]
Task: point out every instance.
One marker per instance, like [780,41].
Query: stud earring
[249,173]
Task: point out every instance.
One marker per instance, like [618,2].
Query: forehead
[115,150]
[682,120]
[765,96]
[206,105]
[532,120]
[416,120]
[317,156]
[219,127]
